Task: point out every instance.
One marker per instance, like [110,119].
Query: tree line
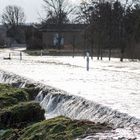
[112,25]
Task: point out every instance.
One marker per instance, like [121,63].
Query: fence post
[20,55]
[9,55]
[87,55]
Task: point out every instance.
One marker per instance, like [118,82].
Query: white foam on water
[109,92]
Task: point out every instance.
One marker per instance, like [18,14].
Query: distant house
[64,36]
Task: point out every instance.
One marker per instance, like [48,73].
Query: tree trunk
[98,53]
[109,54]
[73,45]
[122,54]
[92,50]
[84,45]
[101,54]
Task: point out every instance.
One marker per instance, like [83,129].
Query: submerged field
[109,92]
[112,84]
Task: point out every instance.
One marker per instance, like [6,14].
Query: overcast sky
[32,8]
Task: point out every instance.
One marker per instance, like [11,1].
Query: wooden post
[87,55]
[9,55]
[20,55]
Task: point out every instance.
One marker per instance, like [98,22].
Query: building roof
[63,28]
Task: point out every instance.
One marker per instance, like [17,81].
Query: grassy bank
[21,118]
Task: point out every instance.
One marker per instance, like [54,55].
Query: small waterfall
[15,80]
[57,102]
[76,107]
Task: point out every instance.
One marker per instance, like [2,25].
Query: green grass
[23,119]
[17,107]
[10,95]
[20,115]
[61,128]
[9,134]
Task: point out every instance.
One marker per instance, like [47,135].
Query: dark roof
[63,27]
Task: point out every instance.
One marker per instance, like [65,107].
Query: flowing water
[58,102]
[109,92]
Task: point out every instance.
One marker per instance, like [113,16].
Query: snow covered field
[112,84]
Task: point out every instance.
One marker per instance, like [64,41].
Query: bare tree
[13,16]
[58,11]
[84,12]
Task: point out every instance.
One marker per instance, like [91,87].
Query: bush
[10,95]
[20,115]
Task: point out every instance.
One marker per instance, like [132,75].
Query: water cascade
[57,102]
